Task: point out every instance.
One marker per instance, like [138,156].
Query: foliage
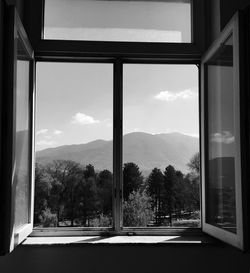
[67,193]
[104,192]
[48,219]
[101,221]
[42,190]
[137,211]
[132,179]
[194,165]
[155,188]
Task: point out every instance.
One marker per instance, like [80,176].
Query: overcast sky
[75,100]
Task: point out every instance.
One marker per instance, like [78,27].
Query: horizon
[75,101]
[107,140]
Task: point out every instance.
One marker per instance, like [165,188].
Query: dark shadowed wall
[229,7]
[126,259]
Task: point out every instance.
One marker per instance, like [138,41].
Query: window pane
[74,133]
[221,207]
[104,20]
[22,141]
[161,137]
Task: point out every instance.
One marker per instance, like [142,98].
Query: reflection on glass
[221,210]
[22,153]
[161,136]
[135,21]
[74,132]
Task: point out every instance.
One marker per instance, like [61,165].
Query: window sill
[118,240]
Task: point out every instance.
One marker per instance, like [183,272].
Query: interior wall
[228,8]
[88,258]
[19,6]
[1,88]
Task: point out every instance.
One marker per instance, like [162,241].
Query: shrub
[48,219]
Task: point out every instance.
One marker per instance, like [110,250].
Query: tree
[194,178]
[132,179]
[137,211]
[66,176]
[194,164]
[42,191]
[104,191]
[155,188]
[71,193]
[47,218]
[88,193]
[178,193]
[170,180]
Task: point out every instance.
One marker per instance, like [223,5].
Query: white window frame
[237,239]
[15,33]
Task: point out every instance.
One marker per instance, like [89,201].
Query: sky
[148,21]
[75,101]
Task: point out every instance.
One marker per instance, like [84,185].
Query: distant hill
[146,150]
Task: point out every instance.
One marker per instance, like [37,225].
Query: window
[74,151]
[134,21]
[74,143]
[18,148]
[109,66]
[223,177]
[160,138]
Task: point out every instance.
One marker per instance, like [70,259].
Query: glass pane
[74,133]
[22,140]
[221,208]
[161,146]
[105,20]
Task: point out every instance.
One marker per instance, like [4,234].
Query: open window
[94,175]
[222,172]
[119,68]
[18,141]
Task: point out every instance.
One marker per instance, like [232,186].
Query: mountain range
[144,149]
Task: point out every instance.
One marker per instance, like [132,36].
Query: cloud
[172,96]
[57,132]
[224,137]
[192,135]
[80,118]
[42,131]
[45,143]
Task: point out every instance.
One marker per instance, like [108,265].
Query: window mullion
[117,146]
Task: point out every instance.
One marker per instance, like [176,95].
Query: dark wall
[229,7]
[126,259]
[19,6]
[1,88]
[130,258]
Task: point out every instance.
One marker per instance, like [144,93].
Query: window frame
[53,48]
[238,239]
[118,228]
[15,32]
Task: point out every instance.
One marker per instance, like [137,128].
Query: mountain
[146,150]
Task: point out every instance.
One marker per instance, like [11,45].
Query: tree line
[70,194]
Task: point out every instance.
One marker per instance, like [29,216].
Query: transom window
[121,21]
